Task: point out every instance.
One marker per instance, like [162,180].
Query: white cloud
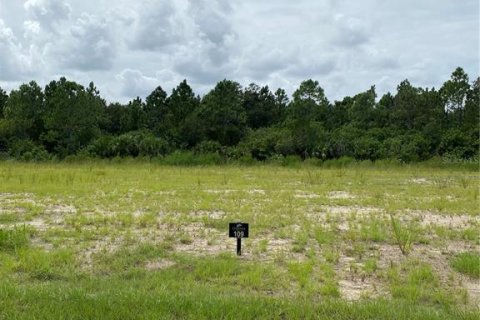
[9,63]
[213,20]
[32,29]
[135,83]
[16,62]
[86,45]
[130,47]
[350,32]
[47,12]
[156,26]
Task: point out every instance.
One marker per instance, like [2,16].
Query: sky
[128,48]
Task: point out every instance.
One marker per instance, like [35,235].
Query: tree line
[414,124]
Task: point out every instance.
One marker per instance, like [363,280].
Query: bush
[131,144]
[366,148]
[414,148]
[209,146]
[27,150]
[264,143]
[103,147]
[457,144]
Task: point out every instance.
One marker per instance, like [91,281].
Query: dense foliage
[414,124]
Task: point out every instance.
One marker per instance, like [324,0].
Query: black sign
[238,230]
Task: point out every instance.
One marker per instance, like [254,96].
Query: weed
[300,243]
[467,263]
[185,239]
[370,266]
[324,236]
[403,236]
[14,239]
[301,272]
[331,256]
[262,245]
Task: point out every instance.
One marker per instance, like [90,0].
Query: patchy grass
[467,263]
[140,240]
[14,239]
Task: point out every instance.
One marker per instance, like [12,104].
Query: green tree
[472,107]
[121,118]
[405,106]
[157,113]
[430,118]
[454,94]
[383,111]
[361,111]
[281,101]
[3,102]
[307,114]
[72,116]
[338,113]
[136,117]
[261,107]
[182,104]
[222,114]
[24,110]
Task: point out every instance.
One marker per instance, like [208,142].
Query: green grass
[467,263]
[133,240]
[13,239]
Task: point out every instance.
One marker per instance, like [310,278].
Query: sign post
[238,230]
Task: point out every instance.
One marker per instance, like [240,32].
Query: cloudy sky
[130,47]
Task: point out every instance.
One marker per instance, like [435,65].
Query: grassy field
[143,241]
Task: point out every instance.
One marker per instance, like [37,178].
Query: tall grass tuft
[14,239]
[467,263]
[403,236]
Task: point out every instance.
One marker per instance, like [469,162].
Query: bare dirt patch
[340,195]
[16,197]
[354,284]
[223,191]
[305,195]
[456,221]
[419,181]
[344,210]
[198,243]
[356,289]
[38,224]
[341,215]
[159,264]
[215,214]
[256,191]
[106,244]
[275,246]
[60,209]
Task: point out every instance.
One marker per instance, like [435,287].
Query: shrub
[264,143]
[209,146]
[131,144]
[366,148]
[27,150]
